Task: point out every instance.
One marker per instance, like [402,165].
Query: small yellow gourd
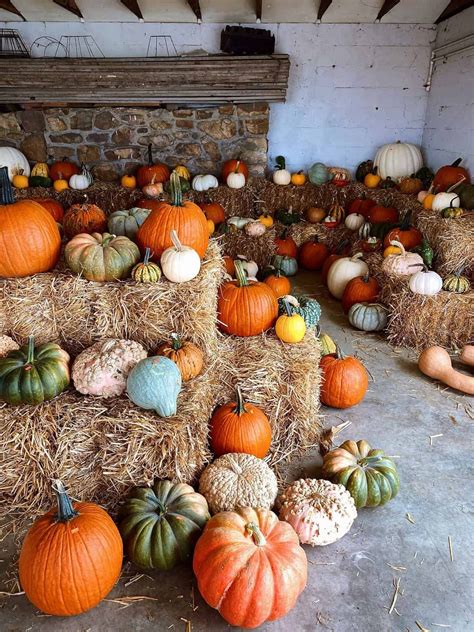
[60,185]
[290,327]
[372,180]
[266,220]
[392,250]
[20,181]
[40,169]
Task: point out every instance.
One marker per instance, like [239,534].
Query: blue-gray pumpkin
[368,316]
[154,384]
[286,265]
[127,222]
[318,173]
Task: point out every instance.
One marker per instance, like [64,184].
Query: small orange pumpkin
[361,289]
[186,355]
[229,265]
[214,211]
[279,283]
[286,246]
[345,380]
[84,218]
[129,182]
[54,208]
[298,178]
[60,185]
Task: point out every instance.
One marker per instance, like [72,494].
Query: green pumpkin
[466,195]
[154,384]
[286,265]
[388,183]
[426,176]
[456,283]
[426,252]
[160,525]
[368,316]
[381,229]
[40,181]
[184,182]
[451,212]
[32,375]
[369,475]
[126,223]
[307,307]
[146,271]
[364,169]
[287,216]
[318,174]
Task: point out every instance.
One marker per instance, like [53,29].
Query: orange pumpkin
[186,218]
[84,218]
[128,182]
[361,206]
[313,254]
[229,265]
[380,214]
[448,175]
[60,185]
[361,289]
[286,246]
[63,170]
[279,283]
[54,208]
[250,566]
[246,308]
[214,212]
[406,234]
[240,427]
[234,166]
[342,249]
[428,200]
[152,172]
[186,355]
[344,380]
[29,237]
[70,558]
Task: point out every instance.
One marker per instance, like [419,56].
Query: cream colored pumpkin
[239,222]
[397,160]
[425,282]
[250,267]
[354,221]
[403,264]
[180,263]
[204,182]
[445,200]
[342,271]
[235,180]
[15,160]
[81,181]
[282,177]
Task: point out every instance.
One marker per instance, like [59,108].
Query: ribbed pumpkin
[338,252]
[70,558]
[54,208]
[368,316]
[285,246]
[369,475]
[32,375]
[250,566]
[407,234]
[246,308]
[84,218]
[337,212]
[290,327]
[127,222]
[345,380]
[152,172]
[213,211]
[456,283]
[146,271]
[286,265]
[361,289]
[29,237]
[307,307]
[279,283]
[160,524]
[187,219]
[63,170]
[362,206]
[240,427]
[312,254]
[186,355]
[101,257]
[342,271]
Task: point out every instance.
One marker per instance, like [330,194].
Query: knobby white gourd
[180,263]
[204,182]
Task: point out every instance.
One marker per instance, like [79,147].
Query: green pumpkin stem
[150,155]
[31,350]
[240,273]
[288,308]
[369,460]
[66,511]
[6,189]
[240,404]
[339,353]
[258,537]
[175,188]
[176,342]
[146,259]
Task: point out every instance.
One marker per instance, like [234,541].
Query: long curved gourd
[467,355]
[435,362]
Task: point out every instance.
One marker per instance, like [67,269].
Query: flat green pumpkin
[161,524]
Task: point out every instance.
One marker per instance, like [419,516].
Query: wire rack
[12,44]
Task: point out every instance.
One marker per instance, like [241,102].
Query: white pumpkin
[81,181]
[240,222]
[354,221]
[236,180]
[445,200]
[342,271]
[180,263]
[403,264]
[204,182]
[426,282]
[250,267]
[397,160]
[282,176]
[15,161]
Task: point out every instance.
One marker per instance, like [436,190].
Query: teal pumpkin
[307,307]
[32,375]
[286,265]
[318,173]
[160,525]
[126,223]
[154,384]
[368,316]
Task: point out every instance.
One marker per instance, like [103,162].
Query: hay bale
[60,307]
[259,249]
[304,231]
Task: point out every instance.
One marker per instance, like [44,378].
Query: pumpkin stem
[150,154]
[240,273]
[176,242]
[146,259]
[66,511]
[366,277]
[280,162]
[6,187]
[339,353]
[456,163]
[176,342]
[240,405]
[31,350]
[369,460]
[175,188]
[237,167]
[288,308]
[258,537]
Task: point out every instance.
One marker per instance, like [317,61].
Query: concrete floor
[351,583]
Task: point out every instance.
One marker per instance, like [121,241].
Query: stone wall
[113,141]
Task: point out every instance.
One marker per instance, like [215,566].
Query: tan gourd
[467,355]
[435,362]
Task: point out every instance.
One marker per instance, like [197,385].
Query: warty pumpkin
[186,218]
[188,357]
[403,264]
[307,307]
[156,172]
[84,218]
[312,254]
[70,558]
[246,308]
[410,185]
[160,524]
[240,427]
[29,237]
[361,289]
[250,566]
[345,380]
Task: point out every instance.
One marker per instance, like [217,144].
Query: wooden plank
[6,5]
[386,7]
[453,8]
[323,7]
[134,7]
[69,5]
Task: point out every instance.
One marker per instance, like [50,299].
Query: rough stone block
[34,148]
[221,129]
[105,171]
[122,136]
[69,138]
[184,123]
[183,113]
[122,153]
[188,150]
[9,123]
[56,124]
[98,137]
[32,120]
[88,153]
[256,126]
[105,120]
[82,119]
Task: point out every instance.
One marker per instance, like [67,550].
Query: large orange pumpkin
[240,427]
[286,246]
[54,208]
[246,308]
[250,566]
[63,170]
[313,254]
[214,211]
[361,289]
[152,172]
[70,558]
[84,218]
[186,218]
[380,214]
[29,237]
[344,380]
[448,175]
[234,166]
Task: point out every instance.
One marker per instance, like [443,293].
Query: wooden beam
[453,8]
[6,5]
[258,10]
[323,7]
[196,7]
[69,5]
[134,7]
[386,7]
